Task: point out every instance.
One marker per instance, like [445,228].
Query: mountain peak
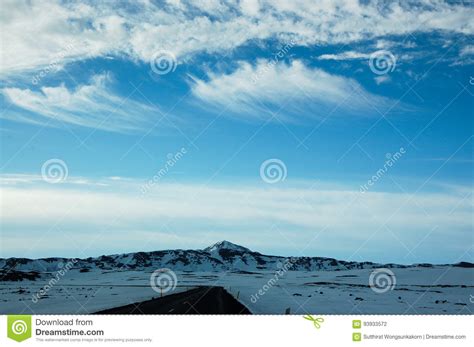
[225,245]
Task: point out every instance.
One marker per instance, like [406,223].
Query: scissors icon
[316,321]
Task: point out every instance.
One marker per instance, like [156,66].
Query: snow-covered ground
[418,290]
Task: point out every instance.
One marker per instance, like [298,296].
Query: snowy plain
[417,290]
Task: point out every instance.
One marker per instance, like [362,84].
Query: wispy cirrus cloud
[93,105]
[349,55]
[285,91]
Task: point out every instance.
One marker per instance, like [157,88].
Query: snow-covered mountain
[214,249]
[222,256]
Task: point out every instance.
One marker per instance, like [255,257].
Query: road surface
[201,300]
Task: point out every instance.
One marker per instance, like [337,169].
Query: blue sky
[333,90]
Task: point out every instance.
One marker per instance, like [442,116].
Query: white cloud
[250,7]
[350,55]
[466,56]
[35,33]
[287,90]
[467,50]
[249,214]
[92,105]
[382,79]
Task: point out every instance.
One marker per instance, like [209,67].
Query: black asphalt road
[202,300]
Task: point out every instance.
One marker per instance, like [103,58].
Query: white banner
[227,330]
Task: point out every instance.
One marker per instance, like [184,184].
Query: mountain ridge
[221,256]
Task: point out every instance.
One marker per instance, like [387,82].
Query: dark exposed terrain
[201,300]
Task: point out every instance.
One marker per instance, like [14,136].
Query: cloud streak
[284,91]
[92,105]
[349,55]
[85,209]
